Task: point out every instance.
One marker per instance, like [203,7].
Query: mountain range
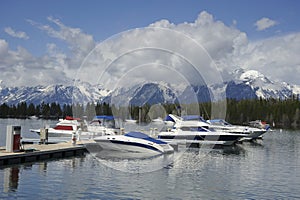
[240,84]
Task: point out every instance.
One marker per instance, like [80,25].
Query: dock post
[151,131]
[74,138]
[79,134]
[43,135]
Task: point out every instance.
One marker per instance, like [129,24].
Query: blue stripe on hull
[132,144]
[199,137]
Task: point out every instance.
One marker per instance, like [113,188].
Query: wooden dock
[38,152]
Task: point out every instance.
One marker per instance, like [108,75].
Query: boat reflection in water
[138,162]
[133,162]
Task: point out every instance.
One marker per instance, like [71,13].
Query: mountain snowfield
[240,84]
[264,87]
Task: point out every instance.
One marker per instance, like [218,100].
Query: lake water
[267,169]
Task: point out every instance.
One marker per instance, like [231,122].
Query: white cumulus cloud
[276,57]
[186,51]
[79,43]
[16,34]
[264,23]
[19,68]
[163,51]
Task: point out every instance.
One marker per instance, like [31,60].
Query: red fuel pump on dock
[13,138]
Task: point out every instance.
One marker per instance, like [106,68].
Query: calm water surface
[267,169]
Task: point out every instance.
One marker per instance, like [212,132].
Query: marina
[243,170]
[160,100]
[266,169]
[72,137]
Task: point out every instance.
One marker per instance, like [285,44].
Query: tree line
[43,110]
[281,113]
[52,111]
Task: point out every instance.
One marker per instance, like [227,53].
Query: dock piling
[43,135]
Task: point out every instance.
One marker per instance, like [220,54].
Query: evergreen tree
[45,110]
[31,110]
[4,110]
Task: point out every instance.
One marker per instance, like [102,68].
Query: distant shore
[278,113]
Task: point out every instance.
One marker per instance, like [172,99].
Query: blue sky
[105,18]
[23,24]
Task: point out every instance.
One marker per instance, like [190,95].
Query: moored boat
[100,125]
[64,128]
[197,132]
[103,125]
[136,142]
[249,132]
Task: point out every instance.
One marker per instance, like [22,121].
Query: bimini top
[144,137]
[108,117]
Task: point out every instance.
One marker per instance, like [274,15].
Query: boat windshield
[104,120]
[144,137]
[194,129]
[193,118]
[219,122]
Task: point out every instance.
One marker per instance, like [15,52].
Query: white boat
[131,121]
[100,125]
[197,132]
[103,125]
[250,133]
[158,120]
[260,124]
[64,128]
[135,142]
[33,117]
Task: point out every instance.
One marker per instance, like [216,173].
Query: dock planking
[39,152]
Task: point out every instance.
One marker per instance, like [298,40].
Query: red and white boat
[64,128]
[100,125]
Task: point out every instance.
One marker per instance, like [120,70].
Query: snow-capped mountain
[246,84]
[82,93]
[145,93]
[240,84]
[195,93]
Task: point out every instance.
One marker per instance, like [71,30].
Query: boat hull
[248,132]
[55,133]
[211,139]
[255,134]
[129,144]
[127,147]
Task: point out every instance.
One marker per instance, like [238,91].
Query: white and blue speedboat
[250,133]
[136,142]
[197,132]
[220,125]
